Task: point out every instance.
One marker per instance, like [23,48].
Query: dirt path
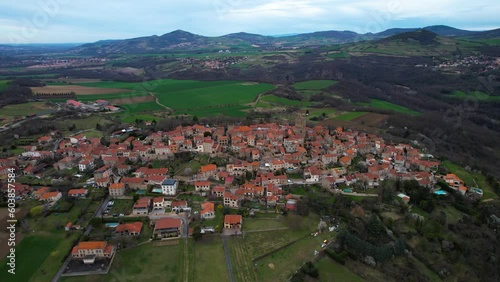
[158,102]
[228,259]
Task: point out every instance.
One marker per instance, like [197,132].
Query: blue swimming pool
[440,192]
[112,224]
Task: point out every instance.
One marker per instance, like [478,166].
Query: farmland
[210,264]
[380,104]
[11,112]
[199,97]
[475,95]
[272,100]
[30,255]
[314,84]
[329,270]
[77,89]
[4,84]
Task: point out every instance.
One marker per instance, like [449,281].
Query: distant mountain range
[185,41]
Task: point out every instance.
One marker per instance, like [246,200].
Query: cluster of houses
[260,159]
[266,152]
[98,105]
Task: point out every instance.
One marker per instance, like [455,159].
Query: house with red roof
[207,210]
[91,250]
[142,206]
[79,193]
[51,196]
[233,221]
[129,229]
[207,171]
[116,190]
[230,200]
[218,191]
[202,186]
[168,228]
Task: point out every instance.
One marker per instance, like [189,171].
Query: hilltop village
[200,179]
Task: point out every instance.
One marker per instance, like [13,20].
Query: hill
[183,40]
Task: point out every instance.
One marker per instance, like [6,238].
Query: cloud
[91,20]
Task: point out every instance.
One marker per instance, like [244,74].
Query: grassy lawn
[122,206]
[54,261]
[222,110]
[330,270]
[469,177]
[11,112]
[263,224]
[313,84]
[379,104]
[350,116]
[141,108]
[143,263]
[55,222]
[280,265]
[30,255]
[210,262]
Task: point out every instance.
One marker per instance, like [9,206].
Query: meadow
[210,262]
[477,95]
[30,255]
[268,101]
[200,98]
[10,112]
[330,270]
[4,84]
[380,104]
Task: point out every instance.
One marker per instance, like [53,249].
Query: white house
[169,187]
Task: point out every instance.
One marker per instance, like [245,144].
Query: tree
[197,233]
[36,211]
[195,119]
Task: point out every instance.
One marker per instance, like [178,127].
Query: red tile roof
[233,218]
[166,223]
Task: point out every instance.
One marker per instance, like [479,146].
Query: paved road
[228,259]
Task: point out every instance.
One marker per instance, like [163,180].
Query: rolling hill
[183,40]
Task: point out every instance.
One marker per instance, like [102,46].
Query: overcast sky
[58,21]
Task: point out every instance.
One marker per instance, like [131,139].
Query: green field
[11,112]
[200,98]
[475,95]
[350,116]
[30,255]
[210,262]
[331,271]
[142,263]
[313,84]
[272,100]
[142,107]
[4,84]
[264,224]
[380,104]
[280,266]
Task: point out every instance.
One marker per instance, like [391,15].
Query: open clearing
[30,255]
[77,89]
[4,84]
[380,104]
[11,112]
[475,95]
[371,119]
[350,116]
[332,271]
[210,262]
